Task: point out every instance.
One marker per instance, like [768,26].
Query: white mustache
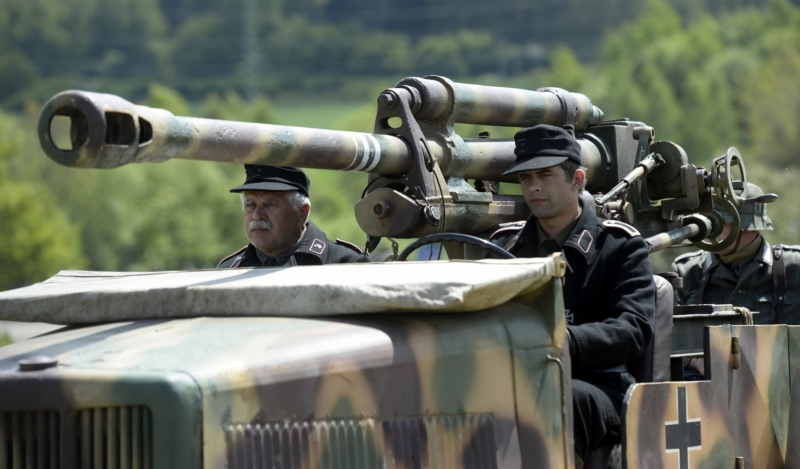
[264,224]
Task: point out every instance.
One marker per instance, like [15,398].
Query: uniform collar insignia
[585,232]
[765,255]
[313,242]
[317,246]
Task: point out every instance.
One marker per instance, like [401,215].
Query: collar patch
[585,241]
[317,247]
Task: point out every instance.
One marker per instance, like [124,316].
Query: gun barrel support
[436,98]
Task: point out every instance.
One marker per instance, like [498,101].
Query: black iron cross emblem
[683,435]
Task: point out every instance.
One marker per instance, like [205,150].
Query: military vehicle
[449,364]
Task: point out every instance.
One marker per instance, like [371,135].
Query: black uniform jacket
[609,294]
[314,249]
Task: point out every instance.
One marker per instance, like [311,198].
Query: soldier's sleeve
[685,265]
[678,291]
[628,309]
[791,308]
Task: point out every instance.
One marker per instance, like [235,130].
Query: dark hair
[569,168]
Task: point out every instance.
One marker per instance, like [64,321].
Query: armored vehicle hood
[145,389]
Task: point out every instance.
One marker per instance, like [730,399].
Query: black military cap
[543,146]
[274,178]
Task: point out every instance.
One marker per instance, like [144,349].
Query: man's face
[726,230]
[548,191]
[271,222]
[743,240]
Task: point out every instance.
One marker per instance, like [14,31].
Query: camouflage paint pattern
[484,389]
[708,424]
[108,131]
[440,99]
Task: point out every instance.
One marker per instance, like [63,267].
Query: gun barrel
[107,131]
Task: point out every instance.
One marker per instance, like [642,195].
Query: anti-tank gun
[420,167]
[412,364]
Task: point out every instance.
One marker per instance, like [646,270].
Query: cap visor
[540,162]
[267,186]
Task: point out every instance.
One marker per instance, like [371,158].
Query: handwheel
[455,237]
[723,180]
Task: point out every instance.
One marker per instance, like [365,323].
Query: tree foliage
[36,237]
[703,77]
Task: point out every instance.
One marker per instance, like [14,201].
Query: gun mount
[419,168]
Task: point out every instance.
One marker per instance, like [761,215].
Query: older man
[276,207]
[609,294]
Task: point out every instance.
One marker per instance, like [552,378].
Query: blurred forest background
[707,74]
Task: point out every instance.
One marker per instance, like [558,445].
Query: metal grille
[113,438]
[29,440]
[110,437]
[449,441]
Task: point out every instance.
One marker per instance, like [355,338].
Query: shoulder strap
[779,282]
[350,245]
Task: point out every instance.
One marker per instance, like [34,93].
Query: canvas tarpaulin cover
[80,297]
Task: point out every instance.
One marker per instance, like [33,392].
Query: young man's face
[271,221]
[548,191]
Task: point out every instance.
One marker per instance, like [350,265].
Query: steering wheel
[456,237]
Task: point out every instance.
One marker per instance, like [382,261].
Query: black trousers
[596,414]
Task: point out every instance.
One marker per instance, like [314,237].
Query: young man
[609,294]
[276,207]
[747,272]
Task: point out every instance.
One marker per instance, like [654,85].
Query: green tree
[232,107]
[566,71]
[160,96]
[36,238]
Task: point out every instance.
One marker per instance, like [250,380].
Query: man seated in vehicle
[276,207]
[609,294]
[749,273]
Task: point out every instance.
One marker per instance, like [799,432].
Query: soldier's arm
[688,267]
[629,309]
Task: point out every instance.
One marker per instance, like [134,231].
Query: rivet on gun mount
[381,208]
[37,363]
[387,99]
